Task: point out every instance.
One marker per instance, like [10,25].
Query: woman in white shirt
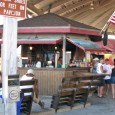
[99,70]
[107,78]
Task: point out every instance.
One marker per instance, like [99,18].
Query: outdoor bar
[42,37]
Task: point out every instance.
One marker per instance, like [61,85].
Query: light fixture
[55,47]
[91,5]
[92,8]
[30,47]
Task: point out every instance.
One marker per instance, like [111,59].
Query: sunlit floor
[99,106]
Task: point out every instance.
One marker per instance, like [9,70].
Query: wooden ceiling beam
[105,18]
[76,12]
[31,12]
[70,7]
[81,17]
[83,11]
[32,8]
[101,2]
[34,2]
[86,19]
[104,15]
[55,5]
[80,10]
[95,9]
[60,2]
[94,13]
[44,3]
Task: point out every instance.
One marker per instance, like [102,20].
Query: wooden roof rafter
[108,12]
[34,2]
[33,9]
[77,4]
[76,12]
[55,5]
[95,13]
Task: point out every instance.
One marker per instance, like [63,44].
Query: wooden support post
[9,61]
[64,51]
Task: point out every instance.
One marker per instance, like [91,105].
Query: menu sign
[13,8]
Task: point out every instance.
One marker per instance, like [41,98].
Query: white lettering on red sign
[12,6]
[22,7]
[15,8]
[2,4]
[11,12]
[20,1]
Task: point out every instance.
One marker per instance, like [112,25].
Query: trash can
[19,104]
[1,106]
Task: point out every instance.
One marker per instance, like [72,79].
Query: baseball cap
[30,71]
[96,59]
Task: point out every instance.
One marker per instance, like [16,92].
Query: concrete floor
[99,106]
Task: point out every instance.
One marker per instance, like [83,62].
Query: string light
[91,5]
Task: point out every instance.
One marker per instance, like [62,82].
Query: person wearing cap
[95,61]
[29,76]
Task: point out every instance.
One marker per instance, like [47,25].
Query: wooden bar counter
[50,78]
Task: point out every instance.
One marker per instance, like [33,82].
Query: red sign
[15,8]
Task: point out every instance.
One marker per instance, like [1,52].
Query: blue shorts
[107,81]
[113,79]
[102,82]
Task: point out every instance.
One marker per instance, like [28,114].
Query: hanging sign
[13,8]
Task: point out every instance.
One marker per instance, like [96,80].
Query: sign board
[13,8]
[13,88]
[14,94]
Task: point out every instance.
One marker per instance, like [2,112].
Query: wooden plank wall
[49,80]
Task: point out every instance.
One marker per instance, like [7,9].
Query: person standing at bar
[99,70]
[59,62]
[113,81]
[53,60]
[107,78]
[95,63]
[0,84]
[38,64]
[72,63]
[0,76]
